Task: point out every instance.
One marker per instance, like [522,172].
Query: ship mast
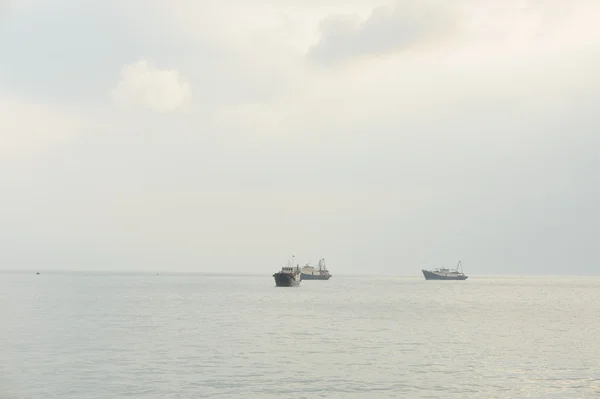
[322,264]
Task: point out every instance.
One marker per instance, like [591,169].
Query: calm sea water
[77,335]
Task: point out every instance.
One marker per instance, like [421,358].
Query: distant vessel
[446,274]
[289,276]
[311,273]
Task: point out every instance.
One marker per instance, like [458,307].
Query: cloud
[488,26]
[387,29]
[160,90]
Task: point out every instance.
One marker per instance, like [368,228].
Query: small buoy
[38,273]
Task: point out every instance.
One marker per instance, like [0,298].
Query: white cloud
[142,85]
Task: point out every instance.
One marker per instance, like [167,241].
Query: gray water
[77,335]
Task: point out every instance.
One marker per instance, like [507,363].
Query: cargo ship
[289,276]
[445,274]
[312,273]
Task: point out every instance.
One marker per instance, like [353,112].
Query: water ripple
[98,336]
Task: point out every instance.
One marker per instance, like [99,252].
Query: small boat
[446,274]
[310,273]
[289,276]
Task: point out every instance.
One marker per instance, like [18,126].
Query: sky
[223,137]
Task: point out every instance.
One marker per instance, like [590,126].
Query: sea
[108,335]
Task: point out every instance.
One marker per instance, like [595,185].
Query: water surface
[84,336]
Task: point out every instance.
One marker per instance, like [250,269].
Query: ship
[446,274]
[312,273]
[289,276]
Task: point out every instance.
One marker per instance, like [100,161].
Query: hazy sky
[385,136]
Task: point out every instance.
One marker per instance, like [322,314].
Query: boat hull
[286,280]
[315,276]
[434,276]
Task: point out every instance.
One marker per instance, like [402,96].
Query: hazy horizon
[385,136]
[266,273]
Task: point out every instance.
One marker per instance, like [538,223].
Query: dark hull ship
[289,276]
[445,274]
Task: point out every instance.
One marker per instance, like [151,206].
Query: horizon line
[239,274]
